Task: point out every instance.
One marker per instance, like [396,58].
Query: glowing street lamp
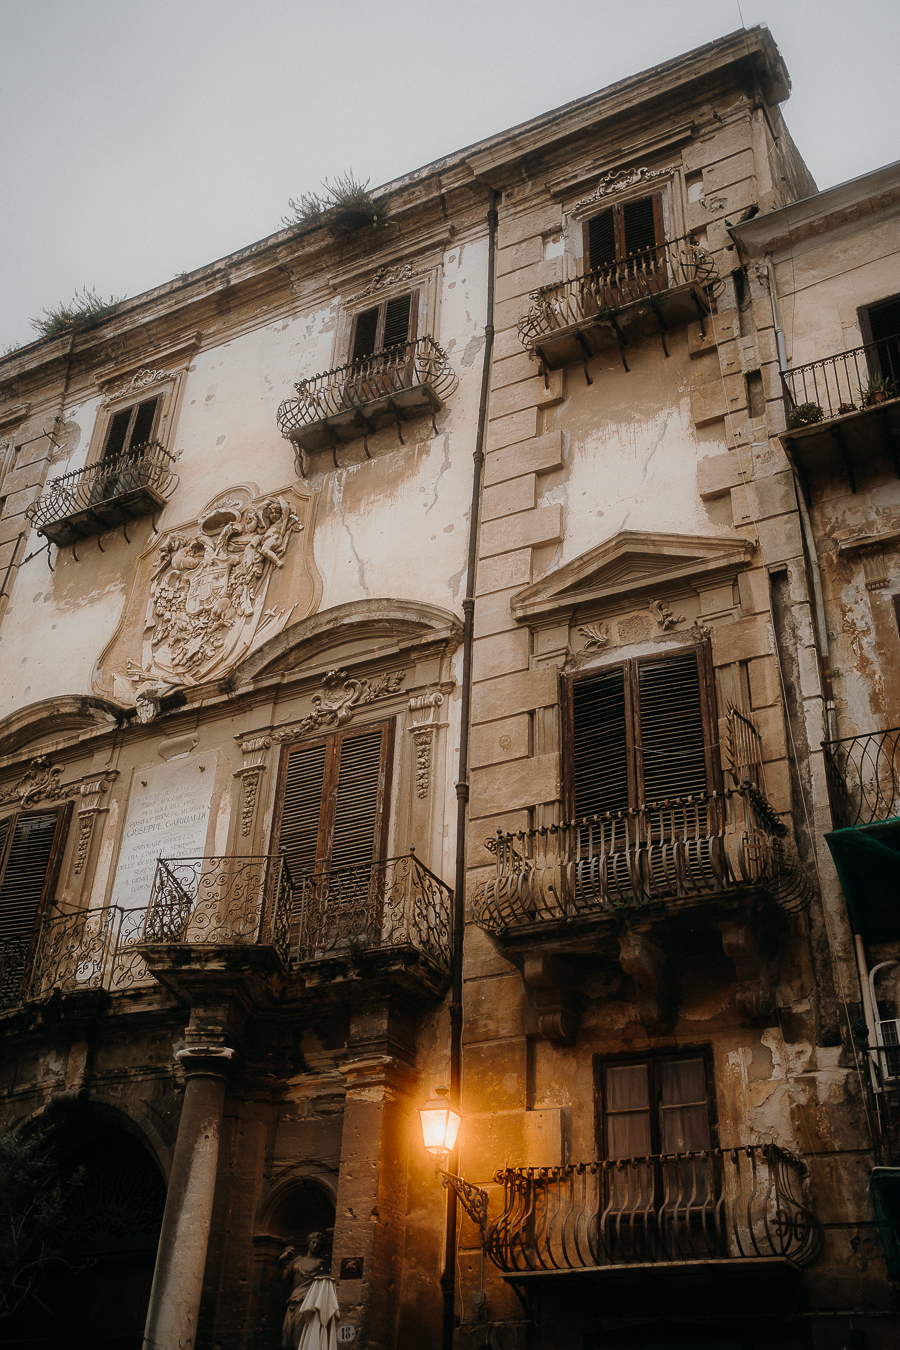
[440,1127]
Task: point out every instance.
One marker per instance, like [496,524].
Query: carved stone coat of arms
[205,594]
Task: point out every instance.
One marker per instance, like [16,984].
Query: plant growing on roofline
[878,389]
[83,311]
[346,207]
[805,415]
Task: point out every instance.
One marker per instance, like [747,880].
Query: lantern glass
[440,1123]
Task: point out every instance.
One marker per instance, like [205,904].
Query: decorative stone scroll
[339,703]
[663,615]
[423,710]
[596,636]
[251,774]
[40,782]
[621,179]
[144,379]
[385,276]
[92,794]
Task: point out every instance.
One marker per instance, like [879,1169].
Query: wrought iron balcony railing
[226,901]
[863,777]
[391,904]
[575,319]
[840,384]
[355,400]
[704,845]
[91,949]
[116,489]
[716,1204]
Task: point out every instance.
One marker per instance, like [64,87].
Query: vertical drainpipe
[448,1278]
[808,536]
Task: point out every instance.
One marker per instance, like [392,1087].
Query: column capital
[206,1061]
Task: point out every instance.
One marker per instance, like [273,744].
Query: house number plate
[346,1333]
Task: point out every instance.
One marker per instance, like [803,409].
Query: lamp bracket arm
[472,1198]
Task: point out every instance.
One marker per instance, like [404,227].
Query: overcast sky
[140,140]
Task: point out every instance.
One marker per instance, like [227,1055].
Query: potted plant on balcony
[877,389]
[805,415]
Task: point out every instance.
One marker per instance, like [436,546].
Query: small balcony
[562,879]
[863,776]
[111,492]
[648,292]
[853,398]
[389,388]
[724,1206]
[220,902]
[89,950]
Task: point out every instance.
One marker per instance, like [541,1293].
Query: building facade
[418,647]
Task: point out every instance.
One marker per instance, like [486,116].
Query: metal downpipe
[448,1278]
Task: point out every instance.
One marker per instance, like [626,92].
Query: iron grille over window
[640,733]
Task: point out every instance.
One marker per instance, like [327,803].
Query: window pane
[626,1087]
[628,1135]
[682,1080]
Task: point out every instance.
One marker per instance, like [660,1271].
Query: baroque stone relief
[206,593]
[619,180]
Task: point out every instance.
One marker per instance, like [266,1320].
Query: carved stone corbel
[755,999]
[423,709]
[640,958]
[555,997]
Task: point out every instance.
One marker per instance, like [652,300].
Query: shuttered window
[30,847]
[131,427]
[622,231]
[639,733]
[883,324]
[334,795]
[383,327]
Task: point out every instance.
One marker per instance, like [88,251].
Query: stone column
[181,1258]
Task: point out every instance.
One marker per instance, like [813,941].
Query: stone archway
[92,1294]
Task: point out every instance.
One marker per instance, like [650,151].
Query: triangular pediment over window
[631,565]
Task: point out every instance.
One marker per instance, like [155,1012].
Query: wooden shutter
[397,314]
[118,432]
[365,334]
[333,801]
[131,427]
[600,740]
[29,850]
[600,241]
[144,421]
[640,228]
[671,741]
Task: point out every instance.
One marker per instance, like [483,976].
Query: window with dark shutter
[383,327]
[881,325]
[624,231]
[639,733]
[30,847]
[131,427]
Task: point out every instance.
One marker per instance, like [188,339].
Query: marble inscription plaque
[168,815]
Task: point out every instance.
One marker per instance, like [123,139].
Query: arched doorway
[93,1291]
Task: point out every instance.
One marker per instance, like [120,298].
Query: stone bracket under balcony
[611,307]
[356,400]
[104,495]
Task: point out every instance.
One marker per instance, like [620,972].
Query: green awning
[884,1188]
[867,858]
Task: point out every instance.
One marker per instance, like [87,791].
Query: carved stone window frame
[127,388]
[665,182]
[389,282]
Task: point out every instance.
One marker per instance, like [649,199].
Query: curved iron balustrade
[395,903]
[712,1204]
[116,489]
[863,776]
[223,901]
[386,388]
[599,295]
[706,844]
[69,953]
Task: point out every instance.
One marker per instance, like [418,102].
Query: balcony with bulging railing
[863,777]
[731,1205]
[112,492]
[388,388]
[844,410]
[226,901]
[88,950]
[707,846]
[650,291]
